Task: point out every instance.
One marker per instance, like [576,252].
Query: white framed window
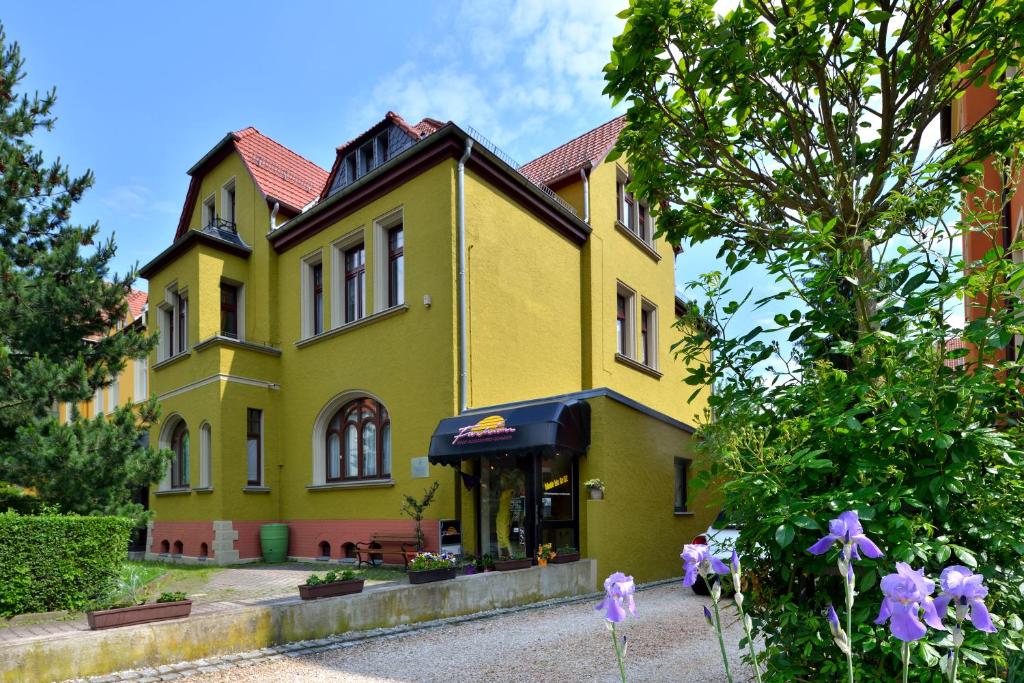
[389,261]
[312,290]
[141,376]
[232,309]
[254,446]
[648,334]
[172,321]
[631,213]
[205,455]
[227,201]
[625,317]
[209,214]
[348,288]
[114,394]
[97,403]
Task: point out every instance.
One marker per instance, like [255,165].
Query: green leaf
[965,556]
[784,535]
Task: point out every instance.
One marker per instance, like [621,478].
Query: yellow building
[425,311]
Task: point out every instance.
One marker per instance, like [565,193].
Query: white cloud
[508,69]
[135,200]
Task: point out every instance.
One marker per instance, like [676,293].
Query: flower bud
[708,618]
[716,590]
[739,600]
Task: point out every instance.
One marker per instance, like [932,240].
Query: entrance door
[557,505]
[505,511]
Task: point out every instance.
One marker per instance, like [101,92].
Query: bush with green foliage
[331,577]
[171,596]
[53,562]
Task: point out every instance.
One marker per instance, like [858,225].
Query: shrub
[330,577]
[173,596]
[52,562]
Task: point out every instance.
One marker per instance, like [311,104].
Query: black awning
[539,429]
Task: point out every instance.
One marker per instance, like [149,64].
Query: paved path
[567,641]
[228,589]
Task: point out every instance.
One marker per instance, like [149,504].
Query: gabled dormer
[388,138]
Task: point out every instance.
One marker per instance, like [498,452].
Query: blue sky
[145,89]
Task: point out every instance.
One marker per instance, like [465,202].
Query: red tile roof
[136,302]
[279,172]
[589,148]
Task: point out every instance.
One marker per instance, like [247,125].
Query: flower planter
[327,590]
[596,494]
[138,614]
[565,558]
[542,561]
[509,565]
[470,570]
[431,575]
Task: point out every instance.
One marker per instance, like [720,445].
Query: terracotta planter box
[139,614]
[509,565]
[565,558]
[431,575]
[327,590]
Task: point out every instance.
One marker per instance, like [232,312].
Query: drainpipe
[273,216]
[586,195]
[460,229]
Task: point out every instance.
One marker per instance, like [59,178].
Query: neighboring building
[132,383]
[314,366]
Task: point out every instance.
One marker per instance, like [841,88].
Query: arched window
[358,441]
[205,461]
[179,459]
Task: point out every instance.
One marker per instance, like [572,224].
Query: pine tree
[59,311]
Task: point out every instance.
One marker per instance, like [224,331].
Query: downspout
[273,216]
[586,195]
[460,229]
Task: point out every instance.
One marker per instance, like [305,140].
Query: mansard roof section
[280,174]
[582,152]
[220,238]
[386,139]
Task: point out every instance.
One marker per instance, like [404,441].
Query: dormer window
[209,211]
[350,167]
[227,202]
[382,148]
[366,157]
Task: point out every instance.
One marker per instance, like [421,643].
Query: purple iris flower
[964,589]
[619,590]
[833,621]
[847,529]
[698,560]
[907,600]
[708,618]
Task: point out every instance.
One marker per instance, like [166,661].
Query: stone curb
[237,660]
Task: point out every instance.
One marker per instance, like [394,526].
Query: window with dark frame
[396,266]
[358,442]
[254,446]
[180,457]
[620,323]
[355,282]
[229,310]
[182,323]
[169,323]
[382,148]
[682,467]
[366,157]
[620,195]
[316,274]
[645,323]
[229,204]
[351,167]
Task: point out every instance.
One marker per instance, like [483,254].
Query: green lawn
[156,575]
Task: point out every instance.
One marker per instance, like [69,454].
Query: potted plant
[545,554]
[469,564]
[595,487]
[332,583]
[514,561]
[428,567]
[486,563]
[126,604]
[565,554]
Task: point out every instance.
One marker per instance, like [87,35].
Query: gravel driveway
[669,641]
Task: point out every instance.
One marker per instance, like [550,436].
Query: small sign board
[420,468]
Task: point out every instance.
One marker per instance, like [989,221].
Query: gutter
[460,230]
[586,195]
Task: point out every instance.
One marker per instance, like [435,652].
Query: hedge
[53,562]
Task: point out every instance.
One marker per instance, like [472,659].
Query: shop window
[649,334]
[624,317]
[682,467]
[179,456]
[325,550]
[358,442]
[254,446]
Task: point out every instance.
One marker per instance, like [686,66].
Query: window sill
[354,484]
[636,365]
[342,329]
[643,244]
[173,492]
[255,489]
[222,340]
[204,489]
[172,360]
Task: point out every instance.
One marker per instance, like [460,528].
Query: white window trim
[381,226]
[306,264]
[263,449]
[338,248]
[173,294]
[239,306]
[631,319]
[209,210]
[164,442]
[224,189]
[319,446]
[141,388]
[646,233]
[652,333]
[205,455]
[114,394]
[97,402]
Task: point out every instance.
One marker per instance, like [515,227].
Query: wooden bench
[380,545]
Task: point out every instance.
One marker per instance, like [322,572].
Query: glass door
[505,522]
[557,505]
